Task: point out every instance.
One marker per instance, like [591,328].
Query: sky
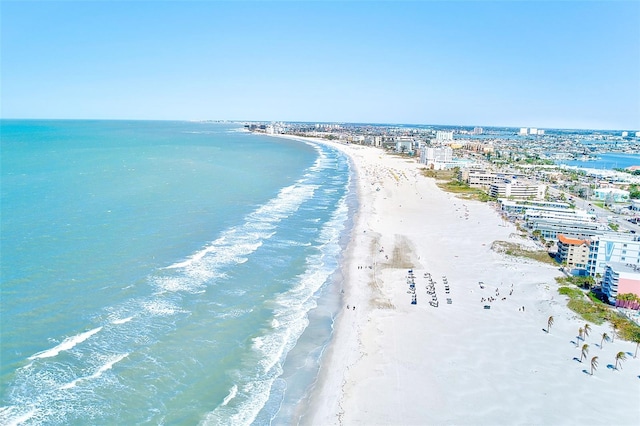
[545,64]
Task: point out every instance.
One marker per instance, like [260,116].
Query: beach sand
[394,363]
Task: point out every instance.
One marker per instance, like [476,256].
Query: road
[601,213]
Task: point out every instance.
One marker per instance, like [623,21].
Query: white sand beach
[391,362]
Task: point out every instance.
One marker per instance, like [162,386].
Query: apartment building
[607,249]
[621,278]
[518,207]
[517,189]
[573,252]
[437,158]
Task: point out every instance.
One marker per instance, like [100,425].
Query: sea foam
[66,344]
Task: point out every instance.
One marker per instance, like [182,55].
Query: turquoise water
[165,272]
[607,161]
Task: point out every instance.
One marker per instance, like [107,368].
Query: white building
[533,131]
[442,136]
[523,131]
[612,248]
[404,144]
[437,158]
[518,207]
[517,189]
[611,194]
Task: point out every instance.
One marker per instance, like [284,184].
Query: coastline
[391,362]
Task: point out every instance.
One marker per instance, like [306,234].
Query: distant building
[573,252]
[478,130]
[625,134]
[533,131]
[442,136]
[621,278]
[404,144]
[540,132]
[611,194]
[523,131]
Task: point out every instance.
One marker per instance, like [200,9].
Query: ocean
[165,272]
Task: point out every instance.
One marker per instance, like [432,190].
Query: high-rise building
[523,131]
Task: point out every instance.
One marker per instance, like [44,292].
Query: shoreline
[391,362]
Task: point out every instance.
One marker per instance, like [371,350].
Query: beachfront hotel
[576,223]
[610,248]
[621,278]
[573,253]
[517,189]
[483,179]
[519,207]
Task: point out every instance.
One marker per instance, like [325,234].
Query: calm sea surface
[165,272]
[607,161]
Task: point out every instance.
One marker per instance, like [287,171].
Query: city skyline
[562,65]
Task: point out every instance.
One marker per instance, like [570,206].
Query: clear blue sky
[542,64]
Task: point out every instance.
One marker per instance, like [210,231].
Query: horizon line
[320,122]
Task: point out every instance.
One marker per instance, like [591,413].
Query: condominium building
[442,136]
[518,207]
[621,278]
[550,227]
[573,252]
[404,144]
[612,248]
[433,156]
[481,178]
[517,189]
[576,215]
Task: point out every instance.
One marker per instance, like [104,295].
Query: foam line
[107,366]
[66,344]
[232,394]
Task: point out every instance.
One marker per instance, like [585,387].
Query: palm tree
[584,352]
[605,336]
[620,356]
[614,329]
[594,364]
[587,329]
[549,323]
[636,339]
